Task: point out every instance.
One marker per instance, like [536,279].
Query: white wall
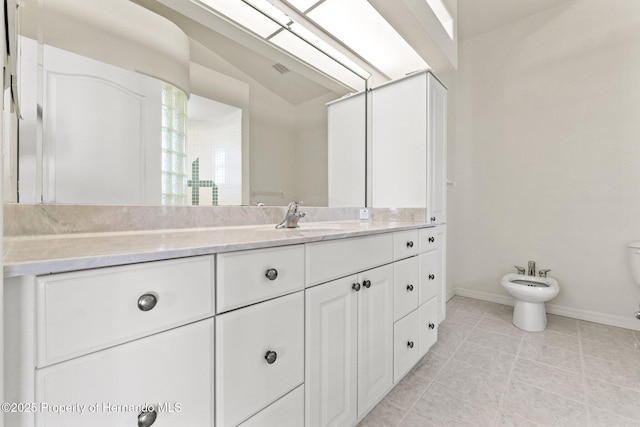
[546,157]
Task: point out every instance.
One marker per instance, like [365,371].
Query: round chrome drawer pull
[410,344]
[271,274]
[410,288]
[146,302]
[432,239]
[432,276]
[355,287]
[146,419]
[366,284]
[432,326]
[271,357]
[409,244]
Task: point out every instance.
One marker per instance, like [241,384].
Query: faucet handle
[521,270]
[543,272]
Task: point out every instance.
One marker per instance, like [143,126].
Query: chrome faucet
[292,216]
[532,268]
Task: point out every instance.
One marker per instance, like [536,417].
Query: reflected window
[215,153]
[174,146]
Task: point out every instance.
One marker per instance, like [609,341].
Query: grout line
[583,377]
[509,378]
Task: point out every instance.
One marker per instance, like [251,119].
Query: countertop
[68,252]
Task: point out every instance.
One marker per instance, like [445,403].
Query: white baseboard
[575,313]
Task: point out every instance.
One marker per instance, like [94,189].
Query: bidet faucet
[532,268]
[291,217]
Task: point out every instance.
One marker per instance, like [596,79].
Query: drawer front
[247,277]
[429,240]
[405,244]
[428,314]
[91,310]
[429,276]
[173,370]
[405,287]
[406,345]
[246,381]
[288,411]
[338,258]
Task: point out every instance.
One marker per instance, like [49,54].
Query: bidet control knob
[543,273]
[521,270]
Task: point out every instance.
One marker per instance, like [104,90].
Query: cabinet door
[442,264]
[375,336]
[437,150]
[405,286]
[399,143]
[406,345]
[259,356]
[331,354]
[429,275]
[172,370]
[428,315]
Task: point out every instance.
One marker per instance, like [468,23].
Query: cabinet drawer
[406,345]
[246,381]
[338,258]
[405,287]
[429,276]
[429,240]
[90,310]
[428,314]
[405,244]
[173,370]
[287,411]
[247,277]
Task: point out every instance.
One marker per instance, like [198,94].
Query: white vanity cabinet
[349,333]
[409,144]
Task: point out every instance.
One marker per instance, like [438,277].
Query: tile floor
[483,371]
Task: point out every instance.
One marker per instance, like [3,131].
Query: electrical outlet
[364,214]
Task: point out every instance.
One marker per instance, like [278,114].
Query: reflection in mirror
[105,117]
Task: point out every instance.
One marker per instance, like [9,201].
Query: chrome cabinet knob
[271,357]
[410,344]
[271,274]
[366,284]
[147,301]
[355,287]
[409,244]
[147,418]
[410,288]
[432,326]
[432,239]
[432,276]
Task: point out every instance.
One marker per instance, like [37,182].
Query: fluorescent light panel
[302,5]
[443,15]
[328,49]
[358,25]
[244,15]
[303,50]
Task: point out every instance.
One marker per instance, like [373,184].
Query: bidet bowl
[530,294]
[530,288]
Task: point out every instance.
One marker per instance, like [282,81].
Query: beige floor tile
[429,366]
[461,316]
[561,324]
[485,358]
[542,407]
[407,392]
[475,383]
[553,356]
[607,334]
[495,341]
[623,372]
[506,419]
[610,397]
[444,406]
[500,326]
[601,418]
[606,351]
[550,379]
[553,339]
[415,420]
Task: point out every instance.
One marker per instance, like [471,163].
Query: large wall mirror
[170,102]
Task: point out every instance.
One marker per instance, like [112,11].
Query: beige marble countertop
[68,252]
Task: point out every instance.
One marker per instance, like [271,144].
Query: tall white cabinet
[409,145]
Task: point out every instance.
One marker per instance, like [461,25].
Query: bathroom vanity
[220,326]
